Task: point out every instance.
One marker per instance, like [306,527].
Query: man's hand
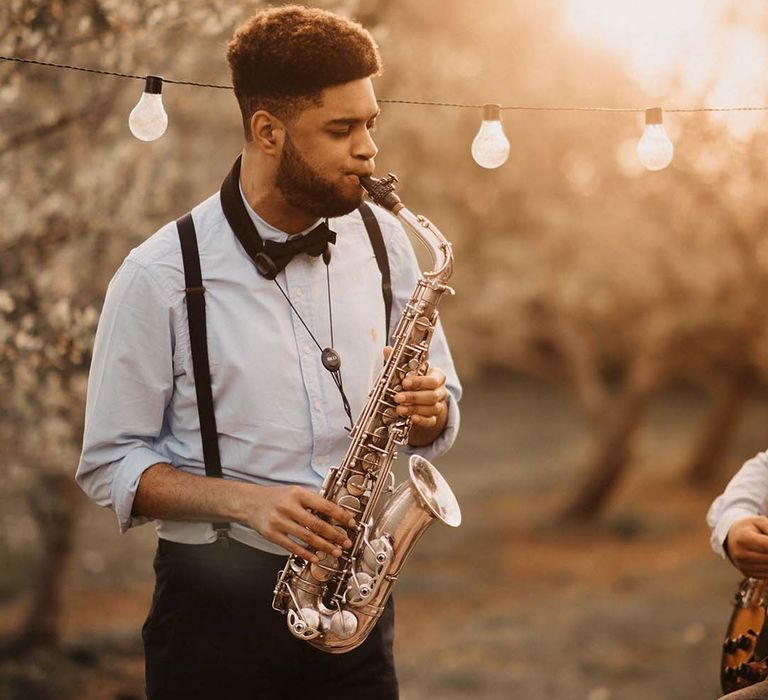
[167,493]
[424,399]
[279,511]
[747,545]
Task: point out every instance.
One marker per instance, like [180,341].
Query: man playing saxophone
[291,282]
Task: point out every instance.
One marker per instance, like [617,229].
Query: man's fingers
[424,421]
[324,529]
[428,397]
[293,547]
[752,569]
[326,507]
[424,411]
[752,558]
[761,523]
[433,380]
[755,542]
[313,540]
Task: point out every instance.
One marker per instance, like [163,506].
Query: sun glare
[687,45]
[653,36]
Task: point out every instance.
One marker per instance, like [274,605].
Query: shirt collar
[267,232]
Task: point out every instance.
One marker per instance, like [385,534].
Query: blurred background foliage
[575,268]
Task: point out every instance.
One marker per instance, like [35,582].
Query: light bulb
[654,149]
[148,119]
[490,148]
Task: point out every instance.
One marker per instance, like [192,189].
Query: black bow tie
[280,254]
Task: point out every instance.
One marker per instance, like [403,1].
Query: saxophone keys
[343,624]
[422,326]
[324,569]
[378,553]
[369,461]
[297,565]
[356,484]
[351,503]
[305,624]
[380,435]
[389,416]
[360,589]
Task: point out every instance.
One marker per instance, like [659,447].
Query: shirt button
[317,405]
[306,348]
[298,292]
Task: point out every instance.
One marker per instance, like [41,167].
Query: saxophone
[334,604]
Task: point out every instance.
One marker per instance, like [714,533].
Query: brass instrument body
[335,603]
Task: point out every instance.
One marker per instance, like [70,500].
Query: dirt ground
[510,605]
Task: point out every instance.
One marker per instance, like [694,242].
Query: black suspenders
[195,295]
[195,292]
[380,251]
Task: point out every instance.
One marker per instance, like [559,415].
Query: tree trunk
[612,454]
[712,441]
[54,506]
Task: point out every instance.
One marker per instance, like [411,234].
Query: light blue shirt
[745,495]
[279,416]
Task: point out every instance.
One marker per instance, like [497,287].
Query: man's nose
[365,147]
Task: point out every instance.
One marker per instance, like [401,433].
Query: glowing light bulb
[148,119]
[490,148]
[654,149]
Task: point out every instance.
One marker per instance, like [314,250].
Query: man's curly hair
[282,59]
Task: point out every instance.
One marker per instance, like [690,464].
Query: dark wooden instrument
[745,647]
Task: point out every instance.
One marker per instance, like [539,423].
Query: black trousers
[211,634]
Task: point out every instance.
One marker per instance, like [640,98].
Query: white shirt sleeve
[129,386]
[745,495]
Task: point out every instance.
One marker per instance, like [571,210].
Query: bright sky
[722,63]
[652,35]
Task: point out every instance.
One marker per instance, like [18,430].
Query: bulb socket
[153,84]
[491,113]
[653,116]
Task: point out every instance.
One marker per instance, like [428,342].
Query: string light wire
[108,72]
[459,105]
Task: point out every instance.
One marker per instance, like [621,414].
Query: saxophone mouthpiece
[382,191]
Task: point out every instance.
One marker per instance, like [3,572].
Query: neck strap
[237,215]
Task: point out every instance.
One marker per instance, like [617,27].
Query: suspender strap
[380,251]
[195,294]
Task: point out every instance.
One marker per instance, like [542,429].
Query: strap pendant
[331,360]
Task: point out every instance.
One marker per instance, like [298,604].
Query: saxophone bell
[435,492]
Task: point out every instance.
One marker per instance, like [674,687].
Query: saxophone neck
[434,241]
[382,192]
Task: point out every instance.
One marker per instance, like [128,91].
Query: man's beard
[307,190]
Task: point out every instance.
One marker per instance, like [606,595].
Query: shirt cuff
[442,443]
[724,523]
[126,482]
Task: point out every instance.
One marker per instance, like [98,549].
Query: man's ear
[267,132]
